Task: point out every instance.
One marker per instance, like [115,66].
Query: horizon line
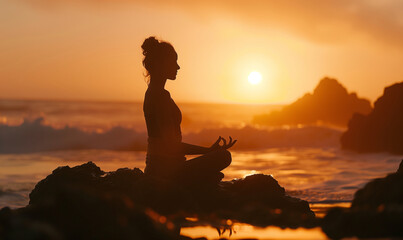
[129,101]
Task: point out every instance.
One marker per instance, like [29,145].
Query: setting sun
[254,78]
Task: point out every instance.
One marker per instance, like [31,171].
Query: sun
[254,78]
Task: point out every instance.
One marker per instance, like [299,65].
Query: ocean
[38,136]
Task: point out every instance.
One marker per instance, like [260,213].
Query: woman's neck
[157,82]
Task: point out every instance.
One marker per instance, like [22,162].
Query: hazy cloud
[317,20]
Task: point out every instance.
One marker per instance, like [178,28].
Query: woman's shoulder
[156,96]
[153,92]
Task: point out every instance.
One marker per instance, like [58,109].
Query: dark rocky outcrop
[260,201]
[83,202]
[329,104]
[382,129]
[376,211]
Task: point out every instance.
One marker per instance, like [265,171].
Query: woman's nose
[177,65]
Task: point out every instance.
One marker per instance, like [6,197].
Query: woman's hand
[230,143]
[217,146]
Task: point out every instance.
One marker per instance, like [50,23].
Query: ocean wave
[12,108]
[252,138]
[35,136]
[3,192]
[13,199]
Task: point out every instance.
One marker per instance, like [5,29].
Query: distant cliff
[329,104]
[382,129]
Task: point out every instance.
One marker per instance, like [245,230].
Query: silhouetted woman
[166,151]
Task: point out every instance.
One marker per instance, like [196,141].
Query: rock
[376,211]
[13,226]
[330,104]
[84,202]
[259,200]
[382,129]
[380,192]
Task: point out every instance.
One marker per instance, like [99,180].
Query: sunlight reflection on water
[245,231]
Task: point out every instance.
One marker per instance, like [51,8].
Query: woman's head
[160,58]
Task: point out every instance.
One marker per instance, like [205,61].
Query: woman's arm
[190,149]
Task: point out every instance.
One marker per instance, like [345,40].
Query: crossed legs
[206,168]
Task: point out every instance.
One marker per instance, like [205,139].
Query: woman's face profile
[170,65]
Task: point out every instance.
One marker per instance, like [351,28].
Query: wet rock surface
[376,211]
[382,129]
[330,103]
[83,202]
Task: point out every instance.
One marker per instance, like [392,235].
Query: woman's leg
[206,167]
[210,162]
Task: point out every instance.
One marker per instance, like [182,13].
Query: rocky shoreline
[84,202]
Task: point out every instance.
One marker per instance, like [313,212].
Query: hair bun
[149,45]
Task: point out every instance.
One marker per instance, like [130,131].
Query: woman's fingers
[216,144]
[230,141]
[232,144]
[224,145]
[218,141]
[224,142]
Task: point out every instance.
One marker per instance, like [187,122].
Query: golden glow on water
[247,231]
[320,209]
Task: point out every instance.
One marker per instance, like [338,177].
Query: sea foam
[36,136]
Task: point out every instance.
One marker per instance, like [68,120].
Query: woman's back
[163,119]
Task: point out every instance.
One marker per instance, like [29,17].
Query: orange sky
[90,49]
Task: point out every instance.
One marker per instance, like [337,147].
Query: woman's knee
[225,156]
